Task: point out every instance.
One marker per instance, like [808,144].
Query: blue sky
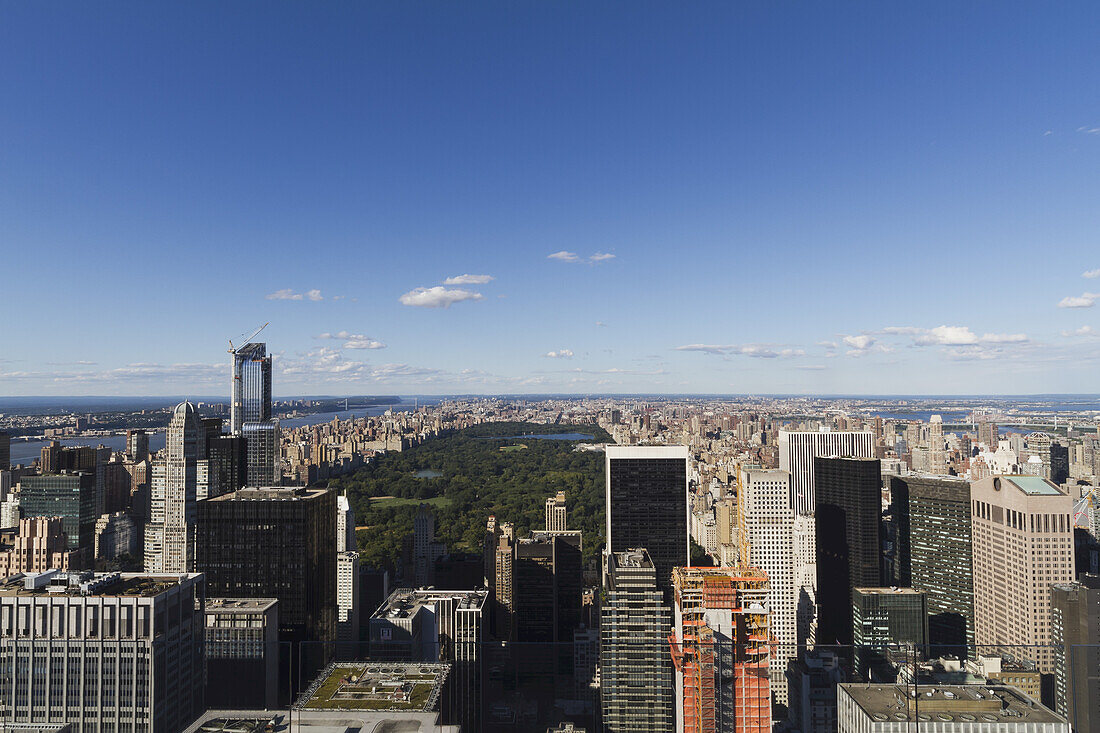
[809,197]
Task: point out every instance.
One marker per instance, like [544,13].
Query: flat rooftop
[239,605]
[92,584]
[633,559]
[271,493]
[389,686]
[1033,485]
[889,591]
[406,602]
[948,704]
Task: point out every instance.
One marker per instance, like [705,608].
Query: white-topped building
[797,451]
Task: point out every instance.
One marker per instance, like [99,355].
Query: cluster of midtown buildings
[851,574]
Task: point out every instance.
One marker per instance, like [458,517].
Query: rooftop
[889,591]
[406,602]
[271,493]
[391,686]
[1033,485]
[55,583]
[239,605]
[948,703]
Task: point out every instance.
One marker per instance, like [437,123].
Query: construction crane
[248,340]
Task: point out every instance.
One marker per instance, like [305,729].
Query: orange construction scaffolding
[725,682]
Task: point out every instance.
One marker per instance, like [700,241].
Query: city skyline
[463,200]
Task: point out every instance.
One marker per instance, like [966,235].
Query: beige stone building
[1023,544]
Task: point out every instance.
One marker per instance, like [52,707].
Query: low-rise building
[242,653]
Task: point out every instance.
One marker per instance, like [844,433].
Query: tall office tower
[347,604]
[805,579]
[263,462]
[423,545]
[885,619]
[137,445]
[1075,633]
[228,460]
[242,653]
[180,479]
[555,513]
[635,667]
[432,626]
[849,501]
[504,564]
[933,552]
[647,505]
[276,543]
[117,651]
[5,451]
[719,647]
[70,496]
[547,584]
[1022,528]
[988,708]
[770,519]
[1059,463]
[251,400]
[40,545]
[989,434]
[937,457]
[345,524]
[797,451]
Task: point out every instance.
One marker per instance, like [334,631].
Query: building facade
[636,687]
[242,653]
[933,554]
[119,651]
[647,505]
[887,619]
[1075,632]
[797,451]
[1022,532]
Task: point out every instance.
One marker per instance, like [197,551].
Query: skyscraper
[647,505]
[933,551]
[180,479]
[770,519]
[883,618]
[797,451]
[70,496]
[251,386]
[250,415]
[1075,632]
[137,444]
[636,689]
[5,451]
[276,543]
[720,650]
[849,500]
[555,513]
[1022,528]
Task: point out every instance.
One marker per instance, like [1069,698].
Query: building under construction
[719,645]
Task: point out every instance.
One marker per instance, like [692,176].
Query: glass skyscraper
[251,386]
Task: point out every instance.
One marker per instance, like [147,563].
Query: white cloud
[861,342]
[1089,130]
[1082,331]
[290,294]
[567,256]
[1003,338]
[953,336]
[1091,274]
[1085,300]
[468,280]
[601,324]
[559,354]
[563,256]
[364,343]
[947,336]
[756,351]
[437,297]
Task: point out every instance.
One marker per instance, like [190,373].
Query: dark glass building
[1075,631]
[70,496]
[885,618]
[276,543]
[647,505]
[849,498]
[933,554]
